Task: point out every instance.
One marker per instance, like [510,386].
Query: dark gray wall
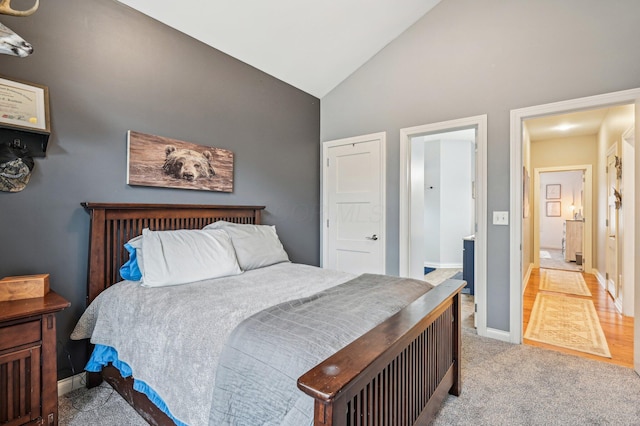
[110,69]
[469,57]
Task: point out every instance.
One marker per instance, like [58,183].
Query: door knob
[374,237]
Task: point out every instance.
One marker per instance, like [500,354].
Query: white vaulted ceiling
[312,45]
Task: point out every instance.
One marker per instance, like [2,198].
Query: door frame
[478,122]
[324,188]
[631,96]
[628,223]
[587,206]
[612,151]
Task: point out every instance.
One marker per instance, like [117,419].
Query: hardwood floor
[618,329]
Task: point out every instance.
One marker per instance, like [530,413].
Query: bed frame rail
[398,373]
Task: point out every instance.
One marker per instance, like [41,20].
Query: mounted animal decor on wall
[170,163]
[10,42]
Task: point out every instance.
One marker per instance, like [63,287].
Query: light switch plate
[500,218]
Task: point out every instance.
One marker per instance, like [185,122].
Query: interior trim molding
[624,97]
[600,278]
[479,122]
[324,208]
[587,169]
[443,265]
[501,335]
[627,150]
[72,383]
[525,280]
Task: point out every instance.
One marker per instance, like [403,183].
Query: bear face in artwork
[187,164]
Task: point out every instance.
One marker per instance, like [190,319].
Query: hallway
[617,328]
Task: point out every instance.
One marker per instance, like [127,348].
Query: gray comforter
[264,356]
[172,337]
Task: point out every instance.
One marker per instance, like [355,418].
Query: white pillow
[184,256]
[256,245]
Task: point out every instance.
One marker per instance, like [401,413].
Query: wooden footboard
[399,372]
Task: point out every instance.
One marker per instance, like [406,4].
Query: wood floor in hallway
[618,329]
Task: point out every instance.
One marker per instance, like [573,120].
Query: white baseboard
[525,280]
[443,265]
[71,383]
[501,335]
[603,283]
[600,278]
[618,304]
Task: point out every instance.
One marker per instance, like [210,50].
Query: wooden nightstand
[28,367]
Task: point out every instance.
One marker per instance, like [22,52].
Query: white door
[611,256]
[354,205]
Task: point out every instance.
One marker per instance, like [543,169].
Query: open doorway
[576,215]
[449,205]
[562,224]
[468,181]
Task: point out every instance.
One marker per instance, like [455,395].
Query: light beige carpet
[545,254]
[568,322]
[563,282]
[556,261]
[439,275]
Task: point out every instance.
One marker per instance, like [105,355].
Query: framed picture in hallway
[553,208]
[553,191]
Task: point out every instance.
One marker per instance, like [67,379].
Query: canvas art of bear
[187,164]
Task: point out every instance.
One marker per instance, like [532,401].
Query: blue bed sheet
[103,355]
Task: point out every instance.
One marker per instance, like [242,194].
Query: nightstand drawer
[20,334]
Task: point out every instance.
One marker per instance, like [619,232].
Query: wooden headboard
[113,224]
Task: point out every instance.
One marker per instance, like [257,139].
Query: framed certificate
[24,105]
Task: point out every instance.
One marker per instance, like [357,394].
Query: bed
[397,370]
